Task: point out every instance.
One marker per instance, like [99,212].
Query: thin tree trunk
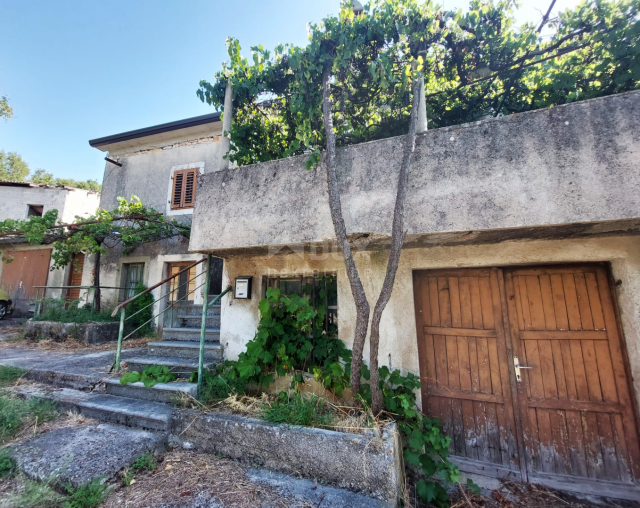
[96,284]
[359,296]
[397,239]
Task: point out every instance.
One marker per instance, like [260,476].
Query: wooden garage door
[577,412]
[29,268]
[571,420]
[464,367]
[75,276]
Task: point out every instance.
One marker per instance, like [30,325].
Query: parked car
[6,305]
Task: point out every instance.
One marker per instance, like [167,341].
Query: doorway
[525,367]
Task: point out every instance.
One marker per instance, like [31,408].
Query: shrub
[8,374]
[220,384]
[62,311]
[297,410]
[89,495]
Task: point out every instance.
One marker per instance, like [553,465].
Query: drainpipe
[227,117]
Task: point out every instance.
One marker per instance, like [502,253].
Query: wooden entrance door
[577,410]
[464,367]
[75,276]
[571,421]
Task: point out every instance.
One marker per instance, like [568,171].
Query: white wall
[398,343]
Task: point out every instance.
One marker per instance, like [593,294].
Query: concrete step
[191,334]
[196,322]
[213,352]
[181,367]
[196,310]
[160,392]
[141,414]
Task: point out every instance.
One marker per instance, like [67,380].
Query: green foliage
[16,412]
[7,463]
[127,226]
[6,111]
[146,462]
[150,376]
[291,336]
[89,495]
[476,64]
[12,166]
[62,311]
[140,312]
[9,374]
[220,384]
[297,409]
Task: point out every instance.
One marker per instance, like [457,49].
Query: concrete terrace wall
[570,164]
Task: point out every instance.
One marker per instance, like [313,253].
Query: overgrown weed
[297,409]
[32,494]
[89,495]
[147,462]
[9,375]
[16,413]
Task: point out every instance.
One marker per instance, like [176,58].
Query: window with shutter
[184,189]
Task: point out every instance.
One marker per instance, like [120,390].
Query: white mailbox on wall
[243,288]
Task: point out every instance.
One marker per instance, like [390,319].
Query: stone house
[517,299]
[31,264]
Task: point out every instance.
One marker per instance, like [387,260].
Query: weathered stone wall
[364,463]
[85,333]
[571,164]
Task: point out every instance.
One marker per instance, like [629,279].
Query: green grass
[297,410]
[89,495]
[9,375]
[33,495]
[14,413]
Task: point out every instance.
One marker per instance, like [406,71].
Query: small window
[132,275]
[35,210]
[183,192]
[313,288]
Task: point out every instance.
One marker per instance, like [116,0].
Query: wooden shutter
[184,189]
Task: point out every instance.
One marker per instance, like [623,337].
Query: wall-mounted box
[243,288]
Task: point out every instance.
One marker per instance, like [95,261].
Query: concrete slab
[137,413]
[181,367]
[78,455]
[186,349]
[306,492]
[77,370]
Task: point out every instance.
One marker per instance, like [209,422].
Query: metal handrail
[205,307]
[127,302]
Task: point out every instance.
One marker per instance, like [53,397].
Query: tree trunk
[397,239]
[359,296]
[96,284]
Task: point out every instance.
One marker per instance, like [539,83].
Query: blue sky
[78,70]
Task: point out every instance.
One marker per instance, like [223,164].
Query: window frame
[185,201]
[125,291]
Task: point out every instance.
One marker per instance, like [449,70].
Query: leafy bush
[145,463]
[297,409]
[8,374]
[89,495]
[140,311]
[150,376]
[7,463]
[62,311]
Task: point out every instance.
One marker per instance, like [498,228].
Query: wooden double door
[525,367]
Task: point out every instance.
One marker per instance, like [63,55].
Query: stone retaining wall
[86,333]
[363,463]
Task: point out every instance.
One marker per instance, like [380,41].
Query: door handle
[517,366]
